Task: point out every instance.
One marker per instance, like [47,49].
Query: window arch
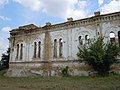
[87,39]
[21,52]
[17,51]
[39,49]
[119,38]
[80,40]
[55,48]
[35,47]
[60,47]
[112,36]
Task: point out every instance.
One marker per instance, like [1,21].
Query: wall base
[53,68]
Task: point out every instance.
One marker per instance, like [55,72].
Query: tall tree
[5,60]
[100,56]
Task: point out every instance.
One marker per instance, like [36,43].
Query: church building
[47,50]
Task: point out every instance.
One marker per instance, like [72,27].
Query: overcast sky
[15,13]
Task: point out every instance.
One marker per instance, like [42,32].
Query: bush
[100,56]
[65,71]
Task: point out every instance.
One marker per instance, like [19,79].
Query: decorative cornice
[69,24]
[87,21]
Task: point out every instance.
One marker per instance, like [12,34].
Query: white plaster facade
[68,32]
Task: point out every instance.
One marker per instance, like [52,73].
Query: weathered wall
[69,32]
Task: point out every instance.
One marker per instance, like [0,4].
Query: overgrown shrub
[100,56]
[65,71]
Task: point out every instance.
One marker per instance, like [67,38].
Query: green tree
[5,60]
[100,56]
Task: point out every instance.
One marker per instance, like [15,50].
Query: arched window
[87,38]
[119,38]
[35,45]
[80,40]
[39,49]
[112,36]
[21,51]
[60,47]
[17,51]
[55,48]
